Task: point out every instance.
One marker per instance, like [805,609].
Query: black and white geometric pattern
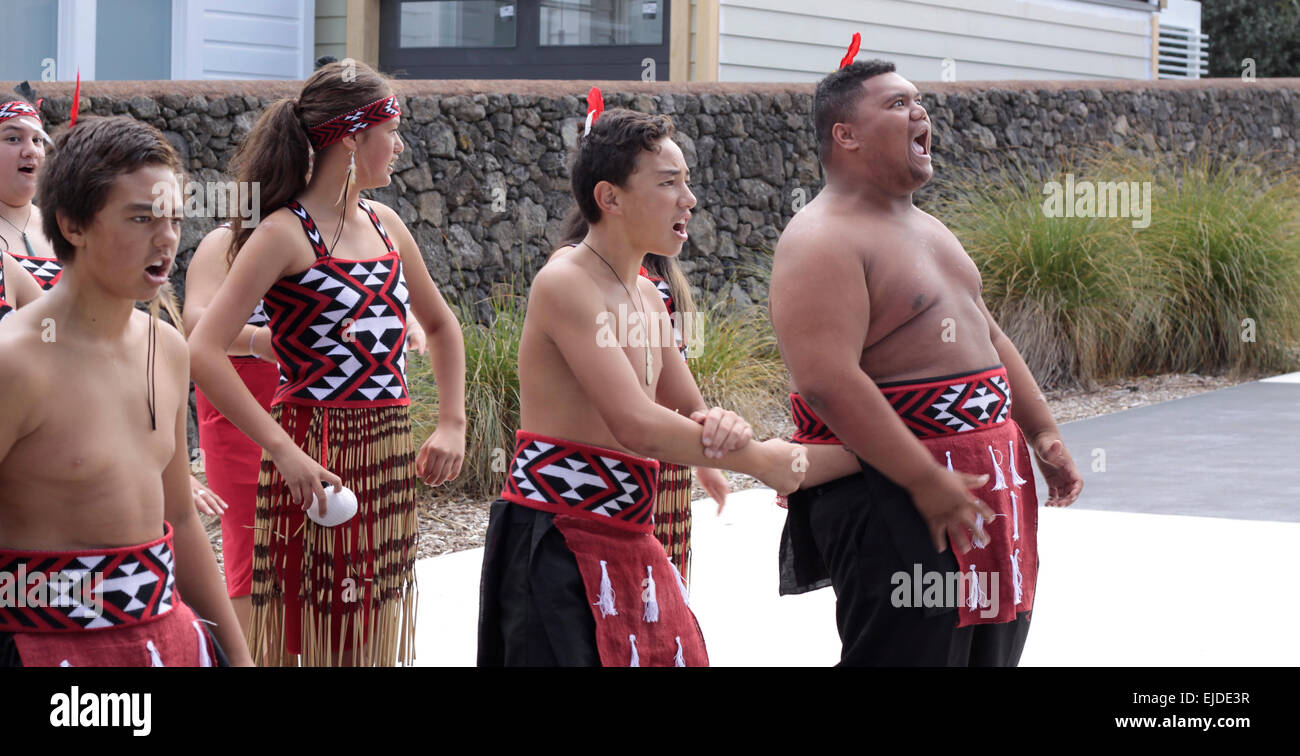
[339,327]
[126,588]
[956,405]
[562,476]
[45,270]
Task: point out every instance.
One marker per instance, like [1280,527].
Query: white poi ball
[340,506]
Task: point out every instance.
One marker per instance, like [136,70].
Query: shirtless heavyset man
[571,572]
[94,467]
[897,361]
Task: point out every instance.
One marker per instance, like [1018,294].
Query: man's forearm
[1028,405]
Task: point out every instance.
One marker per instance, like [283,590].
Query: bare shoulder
[559,273]
[935,226]
[275,228]
[211,252]
[22,381]
[387,215]
[19,337]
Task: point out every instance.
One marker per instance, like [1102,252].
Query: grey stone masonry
[483,183]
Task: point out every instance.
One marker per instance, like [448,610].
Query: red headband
[853,50]
[18,109]
[595,106]
[328,132]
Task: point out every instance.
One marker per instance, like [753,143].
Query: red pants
[231,461]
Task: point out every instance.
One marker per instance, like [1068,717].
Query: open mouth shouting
[679,228]
[27,169]
[156,272]
[921,142]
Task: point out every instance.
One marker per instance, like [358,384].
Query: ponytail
[276,155]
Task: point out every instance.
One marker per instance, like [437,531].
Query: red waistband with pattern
[590,482]
[930,407]
[88,589]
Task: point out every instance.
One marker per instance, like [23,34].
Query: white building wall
[243,39]
[802,40]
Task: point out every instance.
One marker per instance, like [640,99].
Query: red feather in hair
[853,50]
[76,101]
[595,106]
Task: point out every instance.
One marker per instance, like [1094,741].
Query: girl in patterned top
[22,153]
[337,303]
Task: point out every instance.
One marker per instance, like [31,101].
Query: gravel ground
[455,523]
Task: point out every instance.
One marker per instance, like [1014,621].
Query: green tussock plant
[491,395]
[1086,298]
[1222,266]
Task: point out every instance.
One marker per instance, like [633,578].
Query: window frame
[528,59]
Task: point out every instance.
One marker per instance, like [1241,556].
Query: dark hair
[78,177]
[574,229]
[837,95]
[610,151]
[276,153]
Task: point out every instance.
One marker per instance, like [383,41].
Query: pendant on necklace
[649,374]
[27,243]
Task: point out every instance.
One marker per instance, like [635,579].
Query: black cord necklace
[649,372]
[22,231]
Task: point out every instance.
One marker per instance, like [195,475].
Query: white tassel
[973,602]
[590,119]
[1016,578]
[636,660]
[154,659]
[680,659]
[606,600]
[1015,518]
[681,585]
[64,663]
[649,596]
[1015,476]
[949,454]
[204,659]
[976,539]
[1001,481]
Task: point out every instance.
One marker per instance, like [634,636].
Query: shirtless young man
[94,468]
[896,360]
[572,574]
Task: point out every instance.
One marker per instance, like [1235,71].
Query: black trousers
[533,605]
[854,534]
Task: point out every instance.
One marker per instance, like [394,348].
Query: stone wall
[483,181]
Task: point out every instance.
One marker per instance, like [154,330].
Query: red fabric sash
[603,501]
[965,422]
